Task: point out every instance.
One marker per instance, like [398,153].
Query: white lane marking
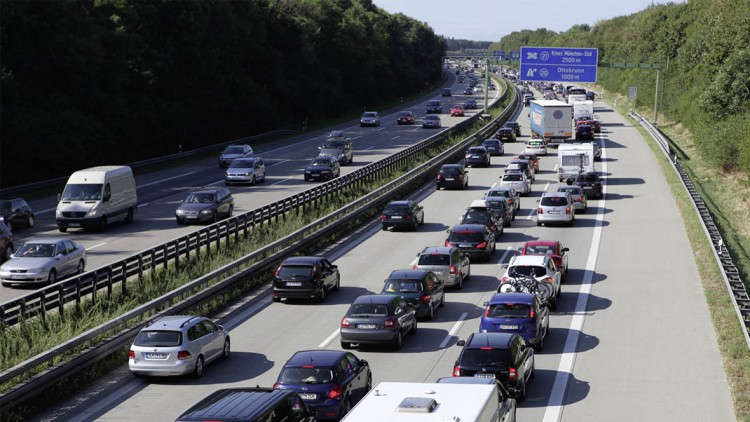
[380,129]
[369,148]
[328,339]
[95,246]
[553,411]
[282,181]
[143,205]
[356,137]
[502,258]
[453,330]
[165,180]
[280,162]
[395,137]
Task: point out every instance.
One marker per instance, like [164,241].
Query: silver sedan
[44,260]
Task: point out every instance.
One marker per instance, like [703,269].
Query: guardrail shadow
[575,278]
[476,284]
[620,181]
[433,227]
[554,343]
[539,390]
[617,196]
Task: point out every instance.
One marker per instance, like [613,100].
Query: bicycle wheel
[545,291]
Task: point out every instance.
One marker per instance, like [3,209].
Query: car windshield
[367,309]
[294,271]
[36,250]
[82,192]
[512,178]
[433,103]
[333,145]
[405,114]
[466,236]
[497,358]
[369,114]
[233,150]
[200,198]
[320,162]
[509,310]
[402,286]
[306,375]
[244,164]
[434,259]
[527,270]
[154,338]
[554,201]
[431,118]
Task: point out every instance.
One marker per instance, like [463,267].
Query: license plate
[553,212]
[17,276]
[483,375]
[463,245]
[367,326]
[438,272]
[74,225]
[308,396]
[294,283]
[395,217]
[509,327]
[449,179]
[191,217]
[156,355]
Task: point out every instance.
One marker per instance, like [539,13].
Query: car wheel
[252,181]
[62,229]
[337,285]
[346,406]
[399,341]
[52,276]
[81,267]
[307,179]
[539,346]
[437,187]
[346,345]
[384,227]
[275,299]
[227,350]
[7,252]
[460,284]
[421,221]
[30,221]
[102,224]
[538,223]
[368,386]
[414,327]
[322,293]
[180,221]
[198,370]
[430,312]
[415,225]
[521,394]
[130,217]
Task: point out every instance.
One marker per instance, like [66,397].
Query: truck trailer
[551,120]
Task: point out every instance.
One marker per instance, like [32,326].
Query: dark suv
[591,184]
[515,126]
[329,381]
[205,206]
[452,176]
[250,404]
[402,214]
[422,289]
[434,106]
[476,240]
[480,213]
[477,156]
[503,356]
[305,277]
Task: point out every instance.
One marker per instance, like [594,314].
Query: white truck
[551,120]
[574,158]
[422,402]
[96,196]
[583,108]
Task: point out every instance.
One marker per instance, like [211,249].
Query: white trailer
[574,158]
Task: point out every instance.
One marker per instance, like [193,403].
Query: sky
[490,20]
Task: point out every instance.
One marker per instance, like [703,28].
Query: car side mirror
[486,304]
[565,249]
[59,197]
[221,328]
[364,362]
[461,343]
[320,147]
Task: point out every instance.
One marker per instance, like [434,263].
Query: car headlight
[307,171]
[92,213]
[180,211]
[58,214]
[208,211]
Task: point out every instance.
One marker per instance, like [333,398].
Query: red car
[594,123]
[457,110]
[532,158]
[405,118]
[553,248]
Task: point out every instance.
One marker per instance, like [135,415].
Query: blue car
[520,313]
[329,381]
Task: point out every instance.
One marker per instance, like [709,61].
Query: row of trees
[707,83]
[112,81]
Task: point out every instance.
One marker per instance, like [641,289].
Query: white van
[573,159]
[417,402]
[96,196]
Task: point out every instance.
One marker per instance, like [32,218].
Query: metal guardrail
[123,329]
[729,271]
[15,190]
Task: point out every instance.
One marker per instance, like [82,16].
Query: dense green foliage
[706,85]
[454,44]
[112,81]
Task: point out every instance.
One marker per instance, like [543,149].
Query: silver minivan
[448,263]
[556,207]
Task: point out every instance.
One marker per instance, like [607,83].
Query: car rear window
[554,201]
[402,286]
[396,209]
[155,338]
[494,358]
[466,236]
[306,375]
[449,171]
[367,309]
[512,178]
[294,271]
[509,310]
[527,270]
[478,217]
[590,178]
[476,150]
[491,143]
[539,250]
[434,259]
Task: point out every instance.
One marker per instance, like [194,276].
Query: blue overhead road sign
[500,54]
[515,55]
[559,64]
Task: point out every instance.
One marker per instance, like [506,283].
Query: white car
[556,207]
[535,146]
[517,181]
[541,267]
[369,118]
[245,170]
[43,260]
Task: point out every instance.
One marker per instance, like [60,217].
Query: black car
[584,133]
[477,156]
[480,213]
[16,213]
[515,126]
[205,206]
[506,134]
[305,277]
[590,182]
[422,289]
[468,91]
[476,240]
[494,146]
[470,103]
[323,167]
[453,176]
[502,208]
[329,381]
[402,214]
[590,95]
[447,92]
[378,319]
[249,404]
[502,356]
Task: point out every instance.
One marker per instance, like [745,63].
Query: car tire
[421,221]
[252,181]
[322,294]
[81,267]
[30,221]
[337,286]
[521,394]
[415,225]
[275,299]
[538,223]
[430,312]
[7,252]
[226,351]
[368,385]
[130,217]
[102,224]
[414,328]
[180,222]
[399,341]
[62,229]
[384,228]
[198,369]
[437,187]
[346,345]
[52,278]
[539,346]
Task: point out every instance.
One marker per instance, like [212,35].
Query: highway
[631,338]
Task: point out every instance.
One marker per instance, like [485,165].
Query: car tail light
[314,272]
[131,355]
[460,177]
[453,270]
[548,279]
[447,243]
[276,385]
[415,267]
[540,211]
[580,199]
[532,314]
[383,217]
[457,371]
[487,312]
[408,218]
[336,392]
[439,178]
[345,323]
[424,299]
[278,270]
[567,210]
[482,245]
[183,354]
[512,374]
[505,279]
[389,323]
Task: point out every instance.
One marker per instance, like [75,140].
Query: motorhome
[573,159]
